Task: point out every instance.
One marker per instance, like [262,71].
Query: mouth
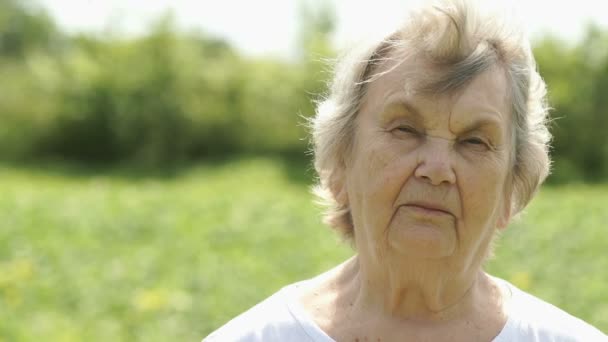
[429,208]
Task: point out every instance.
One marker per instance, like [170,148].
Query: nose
[435,162]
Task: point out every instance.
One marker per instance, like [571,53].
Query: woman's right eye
[406,129]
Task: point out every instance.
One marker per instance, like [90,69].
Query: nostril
[435,172]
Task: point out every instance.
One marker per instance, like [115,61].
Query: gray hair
[460,44]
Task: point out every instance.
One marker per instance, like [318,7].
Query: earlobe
[337,186]
[503,222]
[505,216]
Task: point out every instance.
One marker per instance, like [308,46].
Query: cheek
[481,187]
[387,168]
[376,180]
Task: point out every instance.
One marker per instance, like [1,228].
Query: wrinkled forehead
[398,73]
[416,78]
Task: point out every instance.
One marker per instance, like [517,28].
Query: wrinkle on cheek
[376,164]
[482,194]
[384,174]
[498,165]
[494,161]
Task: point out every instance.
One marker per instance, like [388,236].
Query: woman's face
[428,175]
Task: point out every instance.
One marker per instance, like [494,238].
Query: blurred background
[155,174]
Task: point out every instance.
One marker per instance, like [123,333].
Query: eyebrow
[401,104]
[485,120]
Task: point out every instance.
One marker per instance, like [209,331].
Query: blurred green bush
[171,96]
[167,96]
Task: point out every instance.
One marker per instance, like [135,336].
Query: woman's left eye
[476,142]
[407,129]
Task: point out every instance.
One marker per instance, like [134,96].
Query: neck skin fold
[421,291]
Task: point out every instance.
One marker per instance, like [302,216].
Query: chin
[423,241]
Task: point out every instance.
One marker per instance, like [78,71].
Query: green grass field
[122,256]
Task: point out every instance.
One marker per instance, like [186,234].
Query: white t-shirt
[282,318]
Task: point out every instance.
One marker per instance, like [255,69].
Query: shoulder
[532,319]
[269,320]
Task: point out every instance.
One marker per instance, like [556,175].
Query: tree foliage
[172,96]
[577,79]
[164,97]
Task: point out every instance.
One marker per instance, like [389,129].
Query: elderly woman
[429,143]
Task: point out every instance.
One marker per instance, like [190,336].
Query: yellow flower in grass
[13,275]
[521,279]
[151,300]
[15,272]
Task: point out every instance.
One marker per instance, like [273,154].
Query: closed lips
[430,206]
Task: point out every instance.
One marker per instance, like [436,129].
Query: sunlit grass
[115,257]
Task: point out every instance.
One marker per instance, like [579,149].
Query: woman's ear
[505,216]
[337,186]
[506,209]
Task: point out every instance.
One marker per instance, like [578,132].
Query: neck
[422,290]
